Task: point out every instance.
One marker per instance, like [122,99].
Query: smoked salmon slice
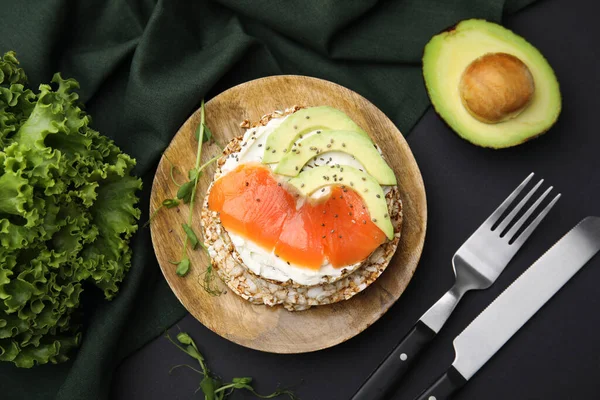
[254,204]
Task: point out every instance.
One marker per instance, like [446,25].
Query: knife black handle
[386,377]
[444,387]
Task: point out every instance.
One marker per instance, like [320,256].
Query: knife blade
[516,305]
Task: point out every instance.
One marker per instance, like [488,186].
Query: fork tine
[529,230]
[518,208]
[500,210]
[515,228]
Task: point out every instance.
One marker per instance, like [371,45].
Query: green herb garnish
[168,203]
[183,266]
[191,235]
[186,192]
[211,385]
[204,132]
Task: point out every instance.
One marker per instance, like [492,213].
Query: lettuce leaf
[67,213]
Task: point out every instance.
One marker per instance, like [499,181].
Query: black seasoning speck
[378,196]
[340,236]
[268,147]
[247,183]
[260,145]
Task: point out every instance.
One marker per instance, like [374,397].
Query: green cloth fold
[144,66]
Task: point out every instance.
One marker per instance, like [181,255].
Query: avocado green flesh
[353,143]
[448,54]
[362,183]
[302,122]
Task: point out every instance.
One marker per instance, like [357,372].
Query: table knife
[516,305]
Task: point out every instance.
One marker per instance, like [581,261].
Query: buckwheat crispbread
[294,297]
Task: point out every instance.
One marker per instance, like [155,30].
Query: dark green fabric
[144,66]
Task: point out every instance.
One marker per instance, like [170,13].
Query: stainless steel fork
[477,264]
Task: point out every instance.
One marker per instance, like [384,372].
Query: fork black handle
[385,378]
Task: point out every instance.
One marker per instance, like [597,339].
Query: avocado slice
[362,183]
[490,85]
[350,142]
[304,121]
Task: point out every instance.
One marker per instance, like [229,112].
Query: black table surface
[556,355]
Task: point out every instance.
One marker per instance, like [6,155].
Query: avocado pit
[496,87]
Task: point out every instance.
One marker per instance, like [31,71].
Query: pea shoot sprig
[186,193]
[211,386]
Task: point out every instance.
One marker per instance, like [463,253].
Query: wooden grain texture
[257,326]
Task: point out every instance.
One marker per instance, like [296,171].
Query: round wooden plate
[257,326]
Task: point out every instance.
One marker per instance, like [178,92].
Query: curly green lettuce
[67,213]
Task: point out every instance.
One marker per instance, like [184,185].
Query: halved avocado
[490,85]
